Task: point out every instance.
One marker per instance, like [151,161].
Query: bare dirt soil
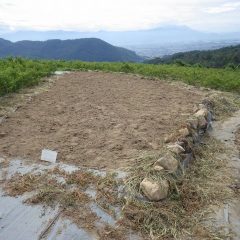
[237,140]
[95,119]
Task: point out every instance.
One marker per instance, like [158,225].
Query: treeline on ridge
[219,58]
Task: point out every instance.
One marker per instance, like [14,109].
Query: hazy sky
[91,15]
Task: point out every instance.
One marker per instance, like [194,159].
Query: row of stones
[179,152]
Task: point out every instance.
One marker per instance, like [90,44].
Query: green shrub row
[16,73]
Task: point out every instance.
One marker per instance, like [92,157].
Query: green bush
[16,73]
[179,62]
[127,68]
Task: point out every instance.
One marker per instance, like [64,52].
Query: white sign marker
[49,156]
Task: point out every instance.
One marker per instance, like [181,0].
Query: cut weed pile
[183,211]
[21,184]
[224,104]
[82,179]
[69,195]
[108,193]
[46,189]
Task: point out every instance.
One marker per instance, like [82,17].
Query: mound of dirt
[97,119]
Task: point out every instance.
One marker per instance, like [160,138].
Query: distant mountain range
[87,49]
[156,36]
[227,56]
[155,42]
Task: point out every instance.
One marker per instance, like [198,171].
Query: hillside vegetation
[86,49]
[16,73]
[223,57]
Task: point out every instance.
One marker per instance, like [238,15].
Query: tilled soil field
[94,119]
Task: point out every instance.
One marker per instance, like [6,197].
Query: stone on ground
[184,132]
[202,122]
[168,162]
[158,168]
[193,122]
[154,191]
[175,148]
[201,113]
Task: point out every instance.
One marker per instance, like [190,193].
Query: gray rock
[168,162]
[169,138]
[154,191]
[193,122]
[201,113]
[184,132]
[202,122]
[158,168]
[175,148]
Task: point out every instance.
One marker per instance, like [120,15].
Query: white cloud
[94,15]
[226,7]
